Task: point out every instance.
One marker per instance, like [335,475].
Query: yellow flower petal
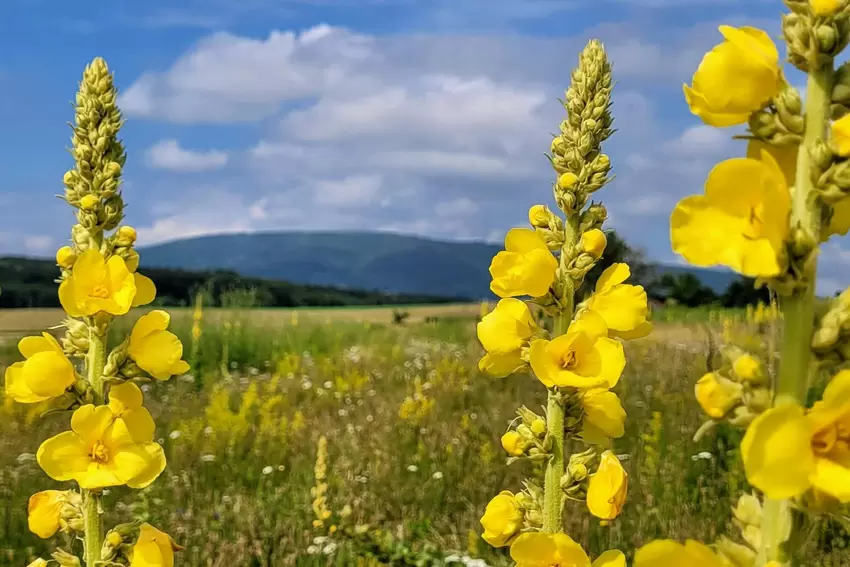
[145,290]
[154,458]
[539,549]
[607,489]
[502,519]
[717,395]
[833,478]
[669,553]
[507,328]
[523,241]
[500,365]
[613,360]
[16,387]
[611,558]
[603,410]
[64,457]
[43,512]
[777,452]
[614,274]
[123,397]
[91,422]
[30,346]
[735,78]
[153,548]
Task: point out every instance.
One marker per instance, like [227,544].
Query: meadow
[411,433]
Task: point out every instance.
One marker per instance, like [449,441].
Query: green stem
[95,362]
[795,369]
[553,495]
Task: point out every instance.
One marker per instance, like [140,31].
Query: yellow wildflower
[43,512]
[154,349]
[740,222]
[503,333]
[594,242]
[153,548]
[736,78]
[66,257]
[622,306]
[89,202]
[127,234]
[603,413]
[669,553]
[606,492]
[787,451]
[502,519]
[540,549]
[525,267]
[513,443]
[98,285]
[716,394]
[102,450]
[584,357]
[45,374]
[538,216]
[38,563]
[823,8]
[749,368]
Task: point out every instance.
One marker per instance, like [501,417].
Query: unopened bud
[567,180]
[538,427]
[127,234]
[539,216]
[593,242]
[89,202]
[65,257]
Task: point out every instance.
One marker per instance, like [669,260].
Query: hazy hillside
[360,260]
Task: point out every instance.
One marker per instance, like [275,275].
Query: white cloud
[38,244]
[461,207]
[167,154]
[700,141]
[352,191]
[227,78]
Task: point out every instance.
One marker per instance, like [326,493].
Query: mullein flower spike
[581,359]
[763,215]
[111,436]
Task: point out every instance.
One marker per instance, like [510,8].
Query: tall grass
[413,449]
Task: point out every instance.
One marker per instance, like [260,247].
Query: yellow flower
[153,548]
[127,234]
[513,443]
[539,549]
[716,394]
[155,350]
[669,553]
[583,358]
[748,367]
[503,333]
[787,451]
[623,307]
[43,512]
[38,563]
[606,492]
[102,450]
[98,285]
[736,78]
[538,216]
[45,374]
[502,519]
[593,242]
[89,202]
[65,257]
[525,267]
[825,7]
[740,222]
[603,414]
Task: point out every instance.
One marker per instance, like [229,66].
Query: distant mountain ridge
[388,262]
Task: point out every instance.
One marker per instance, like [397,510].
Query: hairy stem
[553,496]
[95,362]
[798,309]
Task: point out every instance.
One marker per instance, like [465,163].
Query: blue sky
[428,117]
